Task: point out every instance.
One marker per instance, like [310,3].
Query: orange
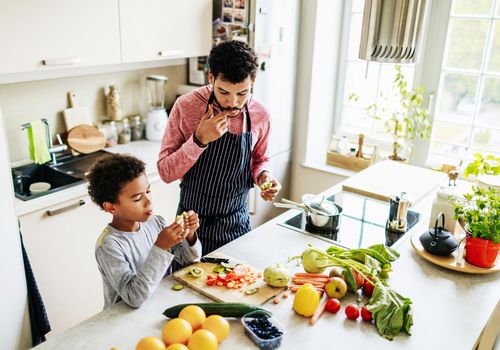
[203,340]
[150,343]
[177,347]
[218,325]
[176,330]
[194,315]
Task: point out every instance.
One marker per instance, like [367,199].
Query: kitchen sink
[70,171]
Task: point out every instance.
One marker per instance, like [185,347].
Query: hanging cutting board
[75,115]
[222,294]
[388,178]
[86,139]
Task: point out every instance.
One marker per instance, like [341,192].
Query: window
[467,114]
[464,76]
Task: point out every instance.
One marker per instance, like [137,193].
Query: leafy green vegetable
[391,312]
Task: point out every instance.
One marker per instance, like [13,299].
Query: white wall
[319,46]
[14,328]
[23,102]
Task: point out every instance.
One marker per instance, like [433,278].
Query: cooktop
[362,223]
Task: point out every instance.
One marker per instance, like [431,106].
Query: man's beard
[219,106]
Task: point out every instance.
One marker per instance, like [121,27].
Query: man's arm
[178,153]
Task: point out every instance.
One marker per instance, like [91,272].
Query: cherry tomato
[352,312]
[366,315]
[368,289]
[333,305]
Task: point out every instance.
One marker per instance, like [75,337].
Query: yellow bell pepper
[306,300]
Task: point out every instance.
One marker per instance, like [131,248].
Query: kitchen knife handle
[214,260]
[66,208]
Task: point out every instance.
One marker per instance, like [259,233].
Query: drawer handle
[66,208]
[171,53]
[62,61]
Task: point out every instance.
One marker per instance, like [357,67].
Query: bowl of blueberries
[265,331]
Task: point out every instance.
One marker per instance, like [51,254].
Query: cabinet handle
[171,53]
[66,208]
[61,61]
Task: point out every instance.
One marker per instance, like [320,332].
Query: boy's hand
[269,186]
[170,236]
[191,223]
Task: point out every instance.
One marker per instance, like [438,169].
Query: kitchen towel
[39,149]
[39,321]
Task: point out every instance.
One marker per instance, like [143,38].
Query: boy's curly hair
[108,176]
[234,60]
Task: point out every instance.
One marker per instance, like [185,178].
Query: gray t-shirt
[132,266]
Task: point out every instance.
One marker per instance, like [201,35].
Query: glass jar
[136,127]
[124,134]
[110,131]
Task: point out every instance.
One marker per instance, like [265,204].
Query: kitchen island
[449,308]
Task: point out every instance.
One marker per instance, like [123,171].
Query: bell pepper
[306,300]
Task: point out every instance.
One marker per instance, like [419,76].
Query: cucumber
[221,309]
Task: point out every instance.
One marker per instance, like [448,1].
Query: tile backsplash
[23,102]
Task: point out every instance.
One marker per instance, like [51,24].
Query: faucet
[53,149]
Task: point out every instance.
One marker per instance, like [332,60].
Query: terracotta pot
[481,252]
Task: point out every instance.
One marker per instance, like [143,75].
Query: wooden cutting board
[222,294]
[388,178]
[75,115]
[86,139]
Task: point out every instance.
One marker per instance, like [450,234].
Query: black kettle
[437,240]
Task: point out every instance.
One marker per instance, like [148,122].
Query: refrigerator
[14,322]
[271,28]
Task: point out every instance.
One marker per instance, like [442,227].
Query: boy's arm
[185,253]
[134,287]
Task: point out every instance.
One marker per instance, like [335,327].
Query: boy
[136,249]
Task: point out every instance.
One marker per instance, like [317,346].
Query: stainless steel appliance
[363,223]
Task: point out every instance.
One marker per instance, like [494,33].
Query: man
[216,142]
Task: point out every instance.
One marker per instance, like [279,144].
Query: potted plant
[403,123]
[479,214]
[486,170]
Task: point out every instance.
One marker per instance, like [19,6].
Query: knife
[214,260]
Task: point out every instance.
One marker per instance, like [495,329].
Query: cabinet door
[165,199]
[162,29]
[61,251]
[59,33]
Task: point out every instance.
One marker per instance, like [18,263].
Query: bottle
[136,127]
[113,106]
[344,146]
[125,133]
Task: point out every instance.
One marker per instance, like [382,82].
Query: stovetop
[362,223]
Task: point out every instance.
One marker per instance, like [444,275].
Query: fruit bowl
[265,331]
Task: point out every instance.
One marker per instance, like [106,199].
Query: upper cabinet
[162,29]
[43,35]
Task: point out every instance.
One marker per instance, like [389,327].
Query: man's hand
[211,126]
[269,186]
[170,236]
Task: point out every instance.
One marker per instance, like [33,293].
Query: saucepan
[320,213]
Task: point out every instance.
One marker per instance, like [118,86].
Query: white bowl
[39,187]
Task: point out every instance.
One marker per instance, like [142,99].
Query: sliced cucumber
[251,291]
[178,287]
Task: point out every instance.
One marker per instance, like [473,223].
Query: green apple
[336,288]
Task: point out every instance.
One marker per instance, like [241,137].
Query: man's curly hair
[234,60]
[108,176]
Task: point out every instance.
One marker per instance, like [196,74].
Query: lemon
[203,340]
[177,346]
[194,315]
[176,330]
[218,325]
[150,343]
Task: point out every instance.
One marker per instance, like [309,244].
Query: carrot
[295,287]
[314,284]
[314,275]
[318,312]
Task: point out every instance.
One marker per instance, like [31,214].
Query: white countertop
[147,151]
[449,308]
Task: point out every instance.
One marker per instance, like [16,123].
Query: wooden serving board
[222,294]
[86,139]
[451,261]
[388,178]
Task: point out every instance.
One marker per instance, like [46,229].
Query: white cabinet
[61,251]
[162,29]
[61,33]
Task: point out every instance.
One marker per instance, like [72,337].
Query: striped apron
[217,186]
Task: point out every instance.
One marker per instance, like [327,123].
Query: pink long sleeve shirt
[178,150]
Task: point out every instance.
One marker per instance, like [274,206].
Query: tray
[450,261]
